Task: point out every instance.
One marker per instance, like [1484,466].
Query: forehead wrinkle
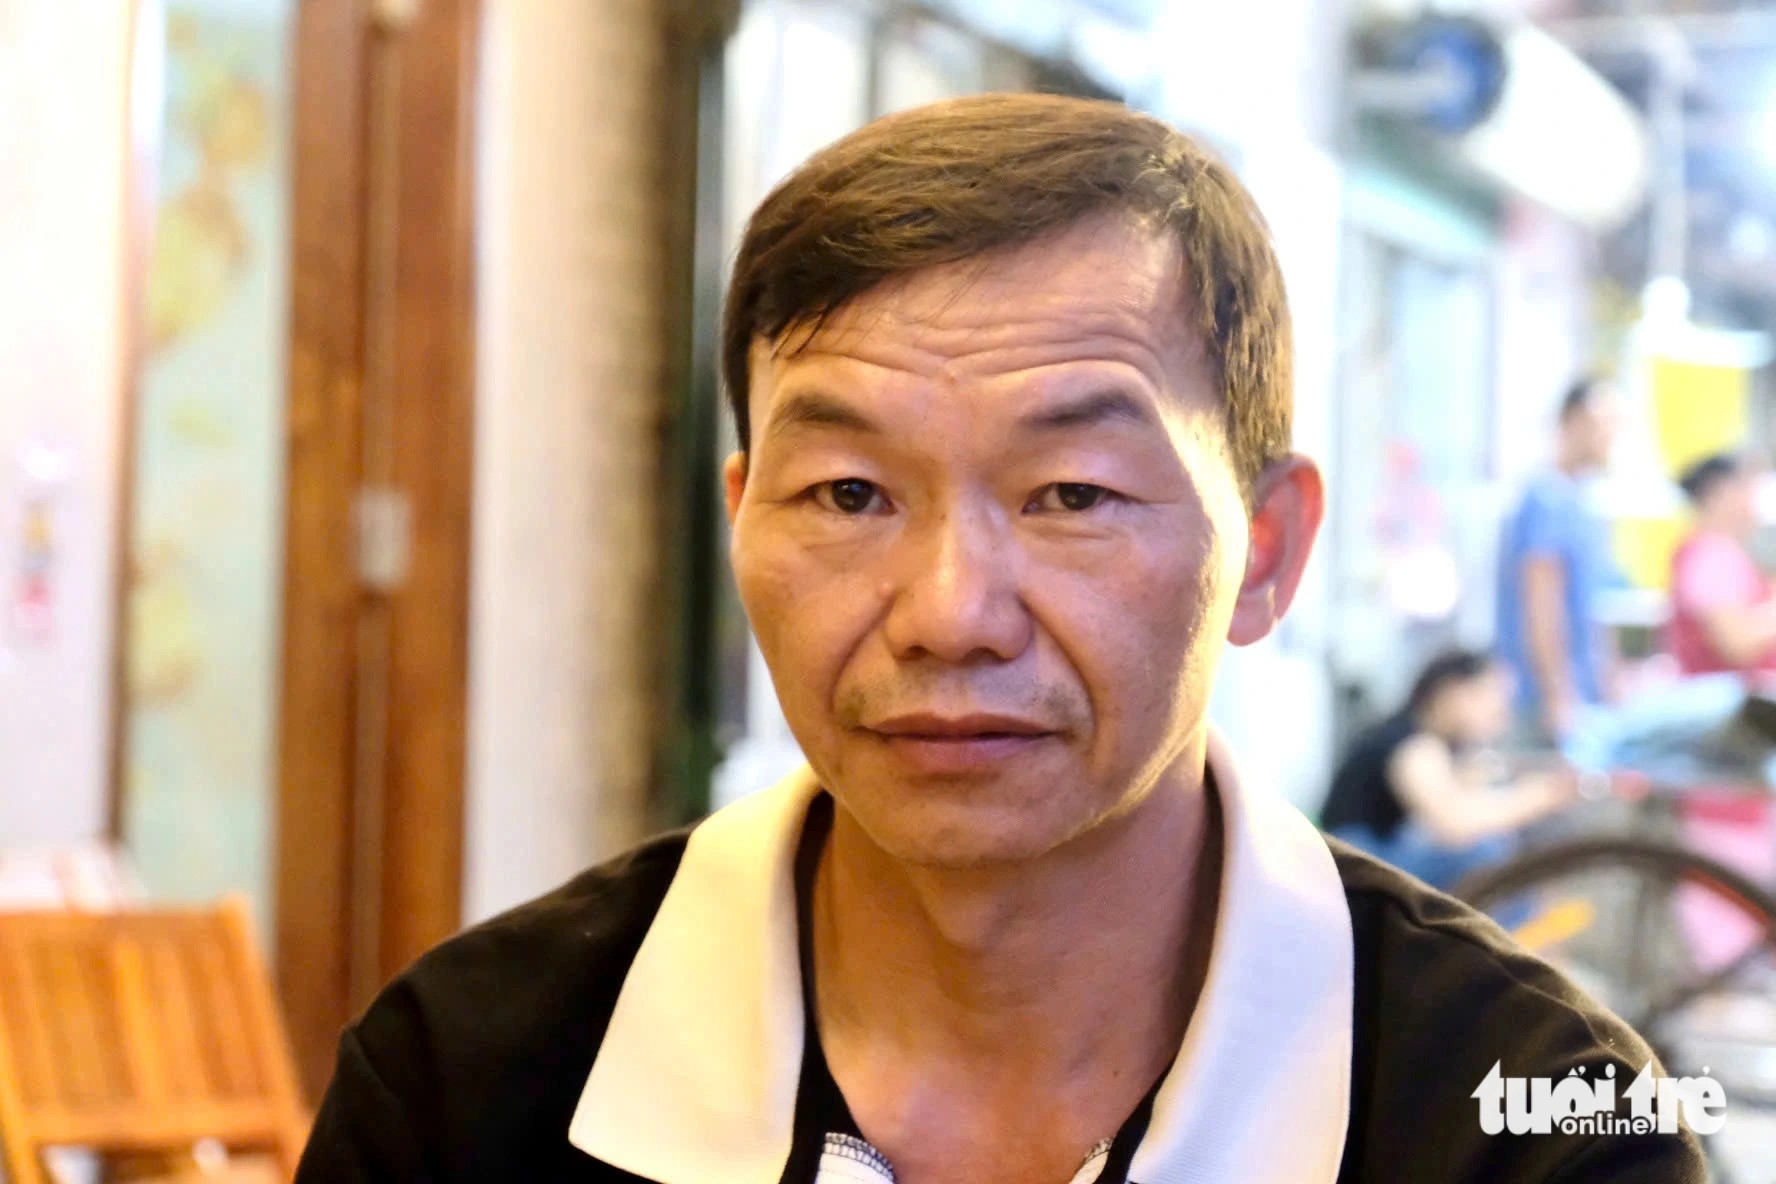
[1039,308]
[1063,315]
[1102,260]
[1019,372]
[945,324]
[996,345]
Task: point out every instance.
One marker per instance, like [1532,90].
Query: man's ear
[1288,503]
[734,482]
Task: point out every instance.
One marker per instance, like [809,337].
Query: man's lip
[927,726]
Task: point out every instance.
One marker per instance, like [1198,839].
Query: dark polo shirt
[646,1022]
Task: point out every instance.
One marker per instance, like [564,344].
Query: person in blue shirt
[1554,561]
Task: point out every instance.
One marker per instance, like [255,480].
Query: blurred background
[361,552]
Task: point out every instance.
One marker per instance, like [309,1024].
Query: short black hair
[962,178]
[1703,477]
[1579,395]
[1448,667]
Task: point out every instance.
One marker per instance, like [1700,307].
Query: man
[1011,377]
[1410,792]
[1554,562]
[1723,615]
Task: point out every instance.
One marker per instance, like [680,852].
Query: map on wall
[205,537]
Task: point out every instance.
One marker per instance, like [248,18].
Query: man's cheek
[1157,601]
[770,580]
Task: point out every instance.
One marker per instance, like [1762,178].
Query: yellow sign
[1698,410]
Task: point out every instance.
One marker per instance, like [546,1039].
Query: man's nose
[957,594]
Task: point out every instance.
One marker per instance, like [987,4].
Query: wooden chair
[140,1033]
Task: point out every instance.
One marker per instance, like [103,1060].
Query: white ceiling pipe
[1561,135]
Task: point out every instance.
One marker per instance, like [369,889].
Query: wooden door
[370,816]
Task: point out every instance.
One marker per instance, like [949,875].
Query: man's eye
[1069,496]
[848,495]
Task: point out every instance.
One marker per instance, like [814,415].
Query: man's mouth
[973,726]
[938,744]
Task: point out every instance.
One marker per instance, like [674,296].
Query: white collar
[695,1082]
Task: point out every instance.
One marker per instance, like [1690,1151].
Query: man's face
[1592,428]
[989,537]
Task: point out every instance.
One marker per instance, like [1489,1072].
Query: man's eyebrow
[1105,405]
[816,409]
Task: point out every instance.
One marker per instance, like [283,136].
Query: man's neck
[1573,467]
[1051,996]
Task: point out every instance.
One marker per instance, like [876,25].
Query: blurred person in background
[1011,378]
[1554,560]
[1716,723]
[1723,612]
[1413,790]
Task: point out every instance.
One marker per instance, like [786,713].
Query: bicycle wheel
[1681,946]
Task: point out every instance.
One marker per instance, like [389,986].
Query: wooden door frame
[374,674]
[141,187]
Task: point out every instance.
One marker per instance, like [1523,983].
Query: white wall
[63,88]
[1274,700]
[1544,324]
[1260,80]
[567,400]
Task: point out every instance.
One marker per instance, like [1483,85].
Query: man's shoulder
[1441,960]
[1442,994]
[598,912]
[1545,488]
[1548,500]
[516,1007]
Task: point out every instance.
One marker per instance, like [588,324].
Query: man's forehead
[1100,289]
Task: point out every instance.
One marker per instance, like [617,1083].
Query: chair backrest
[140,1031]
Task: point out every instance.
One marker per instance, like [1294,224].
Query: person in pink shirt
[1723,612]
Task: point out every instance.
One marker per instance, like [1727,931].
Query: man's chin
[958,833]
